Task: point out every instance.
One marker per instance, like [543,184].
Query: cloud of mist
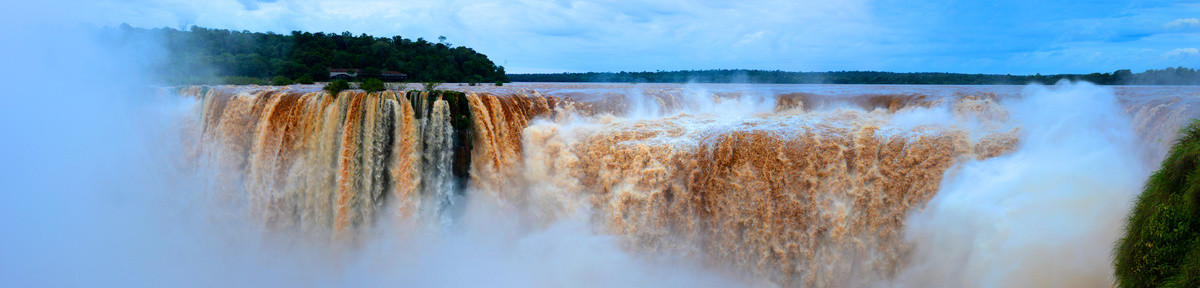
[69,144]
[95,195]
[491,248]
[1046,215]
[91,195]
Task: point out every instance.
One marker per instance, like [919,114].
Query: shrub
[305,80]
[498,83]
[337,86]
[430,86]
[373,85]
[1161,245]
[280,81]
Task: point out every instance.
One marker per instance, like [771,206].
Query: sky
[528,36]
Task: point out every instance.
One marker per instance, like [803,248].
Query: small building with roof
[353,74]
[343,74]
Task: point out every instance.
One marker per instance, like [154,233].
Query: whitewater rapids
[793,185]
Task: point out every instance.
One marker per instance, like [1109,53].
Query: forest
[199,55]
[1168,76]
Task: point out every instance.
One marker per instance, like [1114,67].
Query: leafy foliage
[280,81]
[373,85]
[1169,76]
[305,80]
[198,54]
[370,72]
[336,87]
[430,86]
[1161,245]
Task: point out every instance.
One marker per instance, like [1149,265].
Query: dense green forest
[1169,76]
[204,55]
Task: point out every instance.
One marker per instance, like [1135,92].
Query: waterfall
[795,188]
[439,182]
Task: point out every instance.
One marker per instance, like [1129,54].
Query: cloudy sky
[1055,36]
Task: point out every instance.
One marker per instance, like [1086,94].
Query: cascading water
[799,187]
[438,180]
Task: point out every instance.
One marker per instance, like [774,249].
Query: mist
[95,195]
[1046,215]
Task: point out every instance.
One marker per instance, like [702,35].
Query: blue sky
[806,35]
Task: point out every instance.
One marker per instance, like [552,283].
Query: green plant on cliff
[373,85]
[1161,245]
[336,87]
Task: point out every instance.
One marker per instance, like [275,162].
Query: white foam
[1044,216]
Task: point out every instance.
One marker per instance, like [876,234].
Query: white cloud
[1182,53]
[751,38]
[1182,23]
[638,35]
[567,35]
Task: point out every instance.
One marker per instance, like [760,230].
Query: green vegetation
[241,80]
[280,81]
[1161,245]
[205,56]
[431,86]
[372,85]
[336,87]
[1169,76]
[305,80]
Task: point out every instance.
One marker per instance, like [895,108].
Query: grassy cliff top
[1161,245]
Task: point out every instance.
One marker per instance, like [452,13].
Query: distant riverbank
[1168,76]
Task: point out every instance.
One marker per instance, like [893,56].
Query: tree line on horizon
[201,55]
[1168,76]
